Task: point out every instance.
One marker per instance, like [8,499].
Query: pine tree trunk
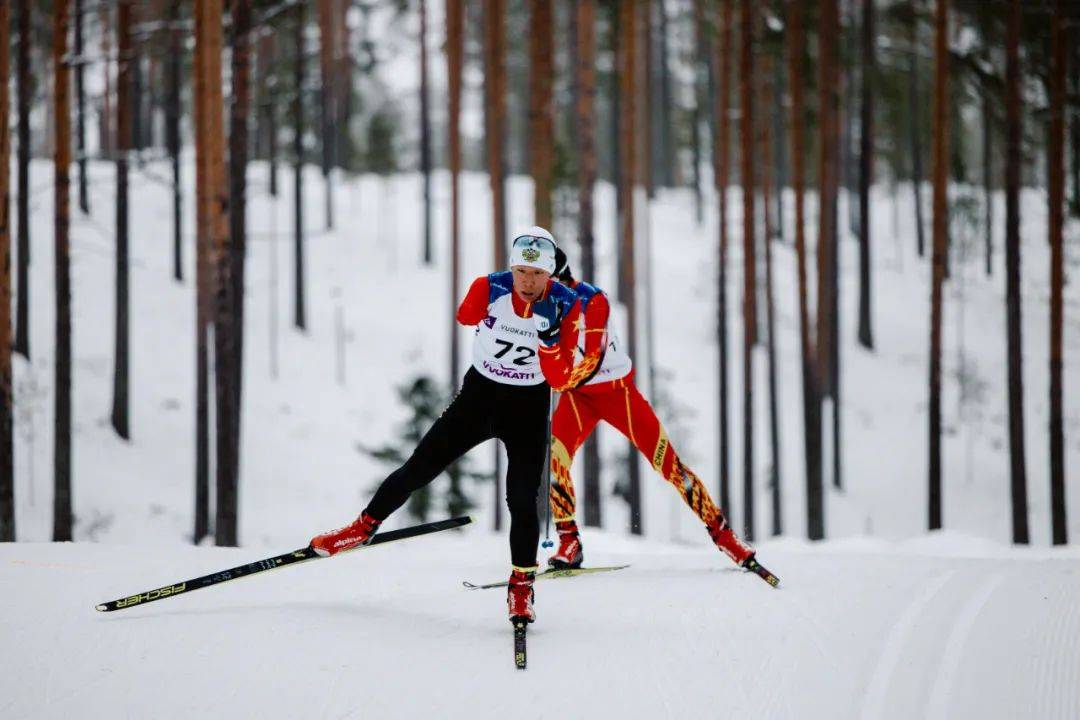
[455,50]
[495,118]
[270,111]
[723,181]
[848,75]
[941,210]
[7,446]
[541,108]
[627,68]
[327,95]
[136,92]
[22,270]
[585,135]
[105,117]
[765,80]
[1074,130]
[612,12]
[1014,135]
[699,101]
[172,136]
[125,63]
[781,162]
[828,134]
[228,246]
[62,514]
[866,170]
[219,275]
[425,132]
[914,103]
[988,196]
[748,181]
[495,137]
[1056,184]
[80,108]
[815,504]
[666,142]
[202,284]
[343,156]
[645,118]
[299,316]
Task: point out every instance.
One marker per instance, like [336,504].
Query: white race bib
[505,346]
[617,363]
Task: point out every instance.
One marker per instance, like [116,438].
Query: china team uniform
[601,387]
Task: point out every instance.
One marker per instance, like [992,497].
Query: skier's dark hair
[562,268]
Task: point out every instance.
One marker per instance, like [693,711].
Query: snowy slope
[945,627]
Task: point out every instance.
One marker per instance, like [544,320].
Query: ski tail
[761,571]
[521,626]
[272,563]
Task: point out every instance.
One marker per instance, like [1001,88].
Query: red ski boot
[570,553]
[519,594]
[726,540]
[346,538]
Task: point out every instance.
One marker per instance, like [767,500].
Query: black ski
[520,628]
[550,574]
[273,563]
[761,571]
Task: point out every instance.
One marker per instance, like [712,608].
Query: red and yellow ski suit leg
[620,404]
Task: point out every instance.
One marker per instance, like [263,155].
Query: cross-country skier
[521,315]
[601,387]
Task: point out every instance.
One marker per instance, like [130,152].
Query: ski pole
[547,476]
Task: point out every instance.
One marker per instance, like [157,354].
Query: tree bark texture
[7,446]
[765,82]
[425,132]
[80,109]
[455,50]
[124,110]
[746,131]
[22,270]
[62,512]
[1056,184]
[585,136]
[628,24]
[940,228]
[1013,132]
[299,314]
[495,119]
[815,505]
[866,171]
[541,107]
[723,180]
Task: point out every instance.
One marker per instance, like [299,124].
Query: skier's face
[529,282]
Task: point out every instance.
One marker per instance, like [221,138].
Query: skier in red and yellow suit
[600,386]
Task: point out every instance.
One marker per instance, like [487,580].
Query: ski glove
[548,315]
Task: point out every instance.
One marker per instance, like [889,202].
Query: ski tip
[469,585]
[101,608]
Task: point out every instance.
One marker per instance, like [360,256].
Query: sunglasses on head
[533,241]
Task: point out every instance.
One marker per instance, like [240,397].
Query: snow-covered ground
[880,621]
[942,627]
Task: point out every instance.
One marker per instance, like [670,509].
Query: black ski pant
[484,409]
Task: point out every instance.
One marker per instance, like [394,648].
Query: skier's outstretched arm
[474,306]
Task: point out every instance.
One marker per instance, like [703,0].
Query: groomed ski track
[940,627]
